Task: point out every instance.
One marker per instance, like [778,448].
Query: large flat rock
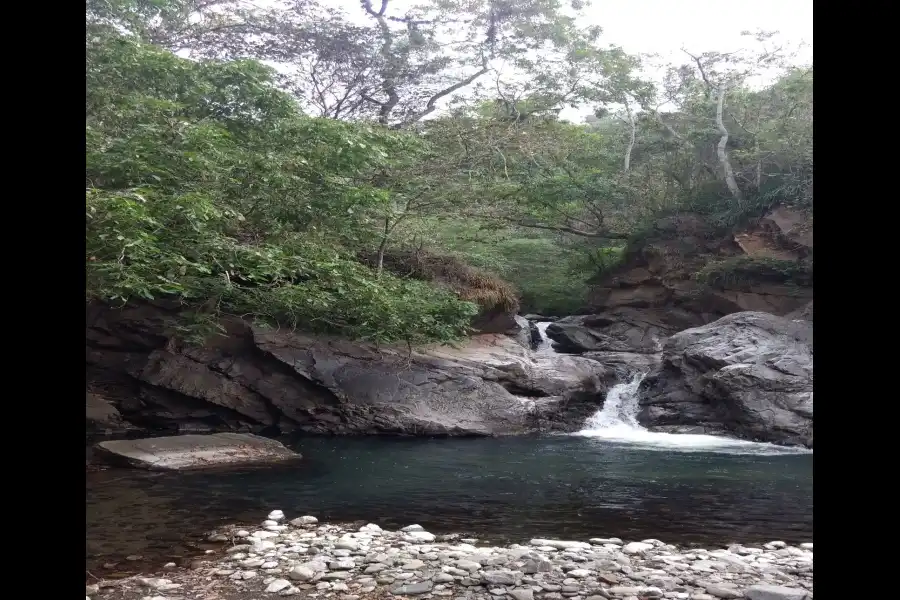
[181,452]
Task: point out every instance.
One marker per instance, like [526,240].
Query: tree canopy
[265,162]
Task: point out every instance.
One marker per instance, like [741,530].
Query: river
[508,489]
[613,478]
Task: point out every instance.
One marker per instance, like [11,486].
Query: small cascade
[617,422]
[546,345]
[619,412]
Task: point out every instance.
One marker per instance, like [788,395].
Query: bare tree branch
[722,151]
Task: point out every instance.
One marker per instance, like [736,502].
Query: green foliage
[744,270]
[205,183]
[548,273]
[603,261]
[475,285]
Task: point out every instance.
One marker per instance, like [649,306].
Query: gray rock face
[195,451]
[255,378]
[525,333]
[101,415]
[622,329]
[748,374]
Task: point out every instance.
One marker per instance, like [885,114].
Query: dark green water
[508,489]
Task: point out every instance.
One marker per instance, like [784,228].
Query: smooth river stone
[775,592]
[175,453]
[412,589]
[501,577]
[636,548]
[560,544]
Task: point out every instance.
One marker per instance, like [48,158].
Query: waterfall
[617,422]
[546,346]
[620,409]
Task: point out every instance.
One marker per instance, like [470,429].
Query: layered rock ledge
[260,380]
[303,558]
[178,453]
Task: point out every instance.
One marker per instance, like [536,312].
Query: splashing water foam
[617,422]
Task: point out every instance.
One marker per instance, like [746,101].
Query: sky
[665,26]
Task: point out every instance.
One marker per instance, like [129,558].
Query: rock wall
[656,292]
[257,379]
[748,375]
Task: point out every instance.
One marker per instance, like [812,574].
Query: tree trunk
[722,151]
[758,155]
[633,126]
[379,267]
[389,69]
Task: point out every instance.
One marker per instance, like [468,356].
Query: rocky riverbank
[303,558]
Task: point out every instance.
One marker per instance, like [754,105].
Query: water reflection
[500,489]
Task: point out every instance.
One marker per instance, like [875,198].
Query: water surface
[506,489]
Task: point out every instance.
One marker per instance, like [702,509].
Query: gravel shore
[306,559]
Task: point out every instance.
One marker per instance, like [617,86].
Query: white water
[546,346]
[617,422]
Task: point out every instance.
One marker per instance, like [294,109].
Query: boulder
[177,453]
[748,374]
[258,379]
[620,330]
[101,415]
[539,318]
[525,333]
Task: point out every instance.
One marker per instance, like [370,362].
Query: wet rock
[749,374]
